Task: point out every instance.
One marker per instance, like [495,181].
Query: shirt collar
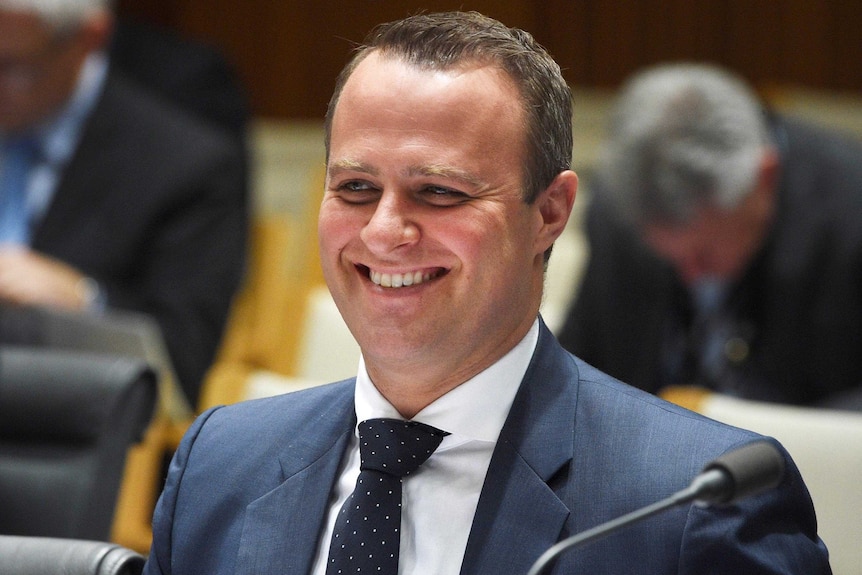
[57,134]
[476,409]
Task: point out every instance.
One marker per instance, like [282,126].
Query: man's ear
[97,30]
[555,206]
[767,179]
[767,174]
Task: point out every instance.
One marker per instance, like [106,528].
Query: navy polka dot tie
[367,531]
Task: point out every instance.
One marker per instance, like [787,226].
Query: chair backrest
[51,556]
[66,422]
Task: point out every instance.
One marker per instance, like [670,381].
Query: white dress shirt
[439,500]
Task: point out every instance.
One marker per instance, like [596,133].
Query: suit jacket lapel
[281,528]
[522,509]
[82,181]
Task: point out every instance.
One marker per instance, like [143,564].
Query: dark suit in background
[569,430]
[152,206]
[797,310]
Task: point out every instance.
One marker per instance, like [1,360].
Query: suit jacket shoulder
[193,74]
[249,486]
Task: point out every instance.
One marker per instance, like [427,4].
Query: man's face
[431,255]
[38,69]
[716,243]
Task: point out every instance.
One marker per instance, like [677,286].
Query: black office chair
[50,556]
[67,420]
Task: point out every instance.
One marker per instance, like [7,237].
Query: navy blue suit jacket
[249,487]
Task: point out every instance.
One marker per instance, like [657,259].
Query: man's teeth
[398,280]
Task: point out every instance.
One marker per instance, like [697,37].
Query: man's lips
[401,279]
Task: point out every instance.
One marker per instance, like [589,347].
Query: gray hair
[61,15]
[682,136]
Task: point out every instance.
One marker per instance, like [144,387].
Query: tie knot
[396,447]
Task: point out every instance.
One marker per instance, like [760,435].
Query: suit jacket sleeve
[159,561]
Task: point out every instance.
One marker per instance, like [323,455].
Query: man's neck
[412,386]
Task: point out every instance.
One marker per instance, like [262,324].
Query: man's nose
[392,224]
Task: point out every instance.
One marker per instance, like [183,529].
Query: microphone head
[746,471]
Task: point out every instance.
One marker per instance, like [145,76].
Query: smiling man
[448,151]
[421,186]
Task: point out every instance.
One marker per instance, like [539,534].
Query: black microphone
[735,475]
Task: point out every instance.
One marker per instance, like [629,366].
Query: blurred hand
[30,278]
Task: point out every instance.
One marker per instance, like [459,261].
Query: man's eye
[354,186]
[439,195]
[356,191]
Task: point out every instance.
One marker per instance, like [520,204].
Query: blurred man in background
[725,246]
[110,197]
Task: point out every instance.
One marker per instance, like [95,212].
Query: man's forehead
[386,76]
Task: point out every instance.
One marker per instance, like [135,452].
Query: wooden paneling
[845,38]
[288,52]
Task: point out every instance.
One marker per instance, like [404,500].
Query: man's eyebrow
[435,170]
[444,171]
[339,166]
